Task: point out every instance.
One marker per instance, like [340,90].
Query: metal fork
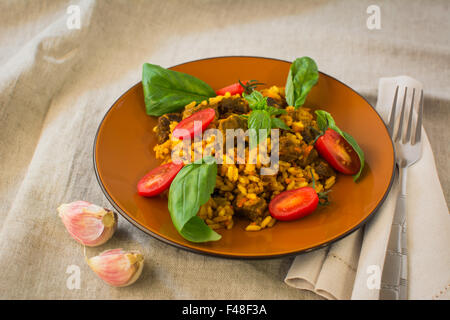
[394,282]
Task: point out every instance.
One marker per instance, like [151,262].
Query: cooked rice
[241,183]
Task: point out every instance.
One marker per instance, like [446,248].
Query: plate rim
[231,256]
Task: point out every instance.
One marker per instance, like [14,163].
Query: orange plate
[123,153]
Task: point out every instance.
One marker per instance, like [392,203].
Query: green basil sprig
[278,123]
[259,120]
[262,116]
[191,188]
[256,100]
[303,75]
[325,121]
[168,91]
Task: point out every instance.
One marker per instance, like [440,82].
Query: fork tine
[392,117]
[407,137]
[402,115]
[419,120]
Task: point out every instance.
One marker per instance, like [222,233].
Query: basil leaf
[256,101]
[275,111]
[168,91]
[260,117]
[259,120]
[303,75]
[196,230]
[358,150]
[191,188]
[321,120]
[278,123]
[325,121]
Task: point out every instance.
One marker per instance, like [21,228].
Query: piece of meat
[308,135]
[323,169]
[234,121]
[232,105]
[163,127]
[277,103]
[289,150]
[309,158]
[250,208]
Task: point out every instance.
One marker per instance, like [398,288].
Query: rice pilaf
[240,189]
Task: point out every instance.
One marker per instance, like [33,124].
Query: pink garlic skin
[88,223]
[117,267]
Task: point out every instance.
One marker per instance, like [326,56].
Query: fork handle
[394,278]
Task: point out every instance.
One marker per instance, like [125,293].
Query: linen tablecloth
[57,82]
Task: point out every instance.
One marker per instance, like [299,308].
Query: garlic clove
[88,223]
[117,267]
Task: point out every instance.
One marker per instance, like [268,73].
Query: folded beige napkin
[350,267]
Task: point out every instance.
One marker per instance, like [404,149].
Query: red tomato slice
[233,89]
[205,116]
[338,152]
[294,204]
[158,179]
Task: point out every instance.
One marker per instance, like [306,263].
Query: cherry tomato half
[158,179]
[338,152]
[233,89]
[205,116]
[294,204]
